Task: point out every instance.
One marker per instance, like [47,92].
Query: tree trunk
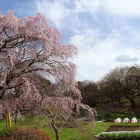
[16,119]
[55,129]
[133,103]
[108,115]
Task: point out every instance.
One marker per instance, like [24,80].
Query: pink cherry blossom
[29,47]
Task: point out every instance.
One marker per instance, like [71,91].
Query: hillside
[124,110]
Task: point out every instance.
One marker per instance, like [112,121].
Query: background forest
[117,94]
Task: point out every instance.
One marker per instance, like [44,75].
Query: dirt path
[123,128]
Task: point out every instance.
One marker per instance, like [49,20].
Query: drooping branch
[29,47]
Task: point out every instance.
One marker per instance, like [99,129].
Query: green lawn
[2,124]
[82,133]
[85,132]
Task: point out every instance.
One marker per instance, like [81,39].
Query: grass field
[86,132]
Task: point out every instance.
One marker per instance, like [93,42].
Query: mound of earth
[122,128]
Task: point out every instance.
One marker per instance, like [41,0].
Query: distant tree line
[121,82]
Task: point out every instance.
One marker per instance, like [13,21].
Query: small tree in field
[29,47]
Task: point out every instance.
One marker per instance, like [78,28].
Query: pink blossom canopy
[28,47]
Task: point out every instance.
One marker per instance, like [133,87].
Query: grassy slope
[83,133]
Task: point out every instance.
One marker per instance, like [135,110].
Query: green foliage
[121,136]
[37,122]
[2,124]
[6,132]
[122,111]
[89,92]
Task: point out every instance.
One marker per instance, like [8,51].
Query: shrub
[6,132]
[24,133]
[120,136]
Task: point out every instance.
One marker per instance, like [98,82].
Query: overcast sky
[106,32]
